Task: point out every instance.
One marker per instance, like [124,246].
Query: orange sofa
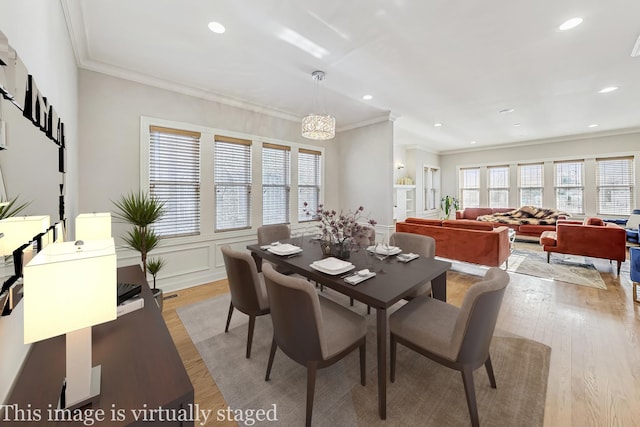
[531,230]
[593,238]
[463,240]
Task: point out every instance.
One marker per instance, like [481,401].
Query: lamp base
[93,396]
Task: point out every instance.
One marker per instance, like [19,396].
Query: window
[498,186]
[276,183]
[431,188]
[470,187]
[531,180]
[174,177]
[615,178]
[232,182]
[569,186]
[308,182]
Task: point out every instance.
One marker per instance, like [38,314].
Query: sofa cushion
[468,224]
[473,213]
[548,238]
[591,220]
[424,221]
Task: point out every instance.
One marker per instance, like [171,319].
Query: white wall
[579,148]
[37,30]
[366,165]
[110,111]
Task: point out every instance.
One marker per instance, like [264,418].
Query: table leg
[381,318]
[439,287]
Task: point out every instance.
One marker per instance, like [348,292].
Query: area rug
[573,269]
[424,393]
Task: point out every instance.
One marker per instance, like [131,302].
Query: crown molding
[386,117]
[566,138]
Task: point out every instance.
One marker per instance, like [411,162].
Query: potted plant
[8,208]
[449,204]
[154,265]
[141,211]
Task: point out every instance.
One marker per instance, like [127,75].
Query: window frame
[318,185]
[579,186]
[629,187]
[285,183]
[464,187]
[524,186]
[493,188]
[431,187]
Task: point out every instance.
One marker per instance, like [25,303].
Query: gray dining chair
[312,330]
[268,234]
[247,288]
[424,246]
[457,338]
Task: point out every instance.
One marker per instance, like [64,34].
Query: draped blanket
[526,215]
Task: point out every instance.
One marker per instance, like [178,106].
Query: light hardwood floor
[594,377]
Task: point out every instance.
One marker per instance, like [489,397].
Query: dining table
[394,280]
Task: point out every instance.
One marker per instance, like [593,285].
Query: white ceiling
[424,61]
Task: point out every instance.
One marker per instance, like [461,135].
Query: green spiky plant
[154,265]
[11,208]
[141,211]
[449,204]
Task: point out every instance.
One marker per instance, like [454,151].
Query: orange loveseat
[463,240]
[592,238]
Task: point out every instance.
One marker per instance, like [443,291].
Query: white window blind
[308,182]
[531,180]
[431,188]
[174,178]
[569,186]
[498,186]
[615,185]
[470,187]
[232,183]
[276,183]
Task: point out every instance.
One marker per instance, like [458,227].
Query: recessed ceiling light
[516,124]
[367,97]
[506,111]
[216,27]
[593,125]
[570,24]
[437,125]
[473,142]
[608,89]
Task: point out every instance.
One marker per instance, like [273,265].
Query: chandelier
[318,126]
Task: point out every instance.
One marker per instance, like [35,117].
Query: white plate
[285,249]
[393,250]
[332,272]
[332,264]
[407,257]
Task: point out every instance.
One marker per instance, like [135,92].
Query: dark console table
[141,370]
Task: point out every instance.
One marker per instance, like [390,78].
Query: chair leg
[392,356]
[548,257]
[351,302]
[311,385]
[368,309]
[619,265]
[363,364]
[470,392]
[272,355]
[252,323]
[226,328]
[489,367]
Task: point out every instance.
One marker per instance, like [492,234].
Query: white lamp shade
[91,226]
[66,289]
[19,230]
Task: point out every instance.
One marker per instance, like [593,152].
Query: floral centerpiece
[340,230]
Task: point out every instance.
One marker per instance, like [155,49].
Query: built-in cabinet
[404,202]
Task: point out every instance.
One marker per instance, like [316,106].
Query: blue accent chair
[634,255]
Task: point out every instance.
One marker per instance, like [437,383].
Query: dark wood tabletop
[141,368]
[393,281]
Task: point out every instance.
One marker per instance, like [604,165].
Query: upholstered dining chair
[458,338]
[274,233]
[424,246]
[247,288]
[311,330]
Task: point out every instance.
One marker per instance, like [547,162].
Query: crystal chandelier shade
[318,126]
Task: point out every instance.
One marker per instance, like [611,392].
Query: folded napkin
[360,276]
[407,257]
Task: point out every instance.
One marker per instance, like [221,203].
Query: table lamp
[18,230]
[90,226]
[68,288]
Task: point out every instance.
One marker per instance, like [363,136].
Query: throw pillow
[593,221]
